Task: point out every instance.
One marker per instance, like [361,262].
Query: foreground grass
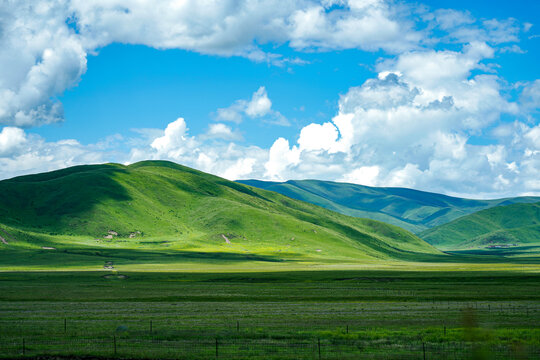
[370,313]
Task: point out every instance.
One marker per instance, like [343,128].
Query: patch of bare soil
[5,236]
[115,276]
[48,248]
[108,265]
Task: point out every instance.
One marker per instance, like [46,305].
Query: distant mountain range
[410,209]
[500,226]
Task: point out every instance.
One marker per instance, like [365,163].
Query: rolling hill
[157,212]
[511,225]
[410,209]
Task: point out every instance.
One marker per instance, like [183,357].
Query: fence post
[217,354]
[424,350]
[23,347]
[237,326]
[114,340]
[319,347]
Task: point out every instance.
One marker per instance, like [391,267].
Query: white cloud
[368,25]
[241,168]
[22,153]
[411,125]
[11,140]
[40,57]
[44,43]
[449,19]
[222,131]
[365,175]
[530,96]
[173,140]
[462,27]
[318,137]
[259,106]
[280,158]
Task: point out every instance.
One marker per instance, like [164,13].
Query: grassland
[155,260]
[409,209]
[382,314]
[160,212]
[513,225]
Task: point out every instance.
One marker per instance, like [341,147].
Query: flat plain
[379,314]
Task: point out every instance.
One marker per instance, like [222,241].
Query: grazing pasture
[337,314]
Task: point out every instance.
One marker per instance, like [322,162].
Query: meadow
[155,260]
[380,314]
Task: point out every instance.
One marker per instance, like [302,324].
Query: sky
[435,95]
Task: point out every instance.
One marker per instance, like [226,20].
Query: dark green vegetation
[355,314]
[516,226]
[160,213]
[410,209]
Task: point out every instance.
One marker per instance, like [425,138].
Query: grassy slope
[511,224]
[181,214]
[410,209]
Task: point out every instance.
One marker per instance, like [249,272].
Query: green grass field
[377,314]
[156,260]
[511,225]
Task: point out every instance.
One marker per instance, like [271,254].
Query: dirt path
[2,239]
[226,239]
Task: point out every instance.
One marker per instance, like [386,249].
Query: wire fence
[216,348]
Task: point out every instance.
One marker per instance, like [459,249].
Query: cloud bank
[415,123]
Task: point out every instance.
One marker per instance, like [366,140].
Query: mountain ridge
[508,225]
[414,210]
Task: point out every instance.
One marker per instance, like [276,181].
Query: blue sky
[435,95]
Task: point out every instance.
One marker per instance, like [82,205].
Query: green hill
[501,226]
[410,209]
[158,212]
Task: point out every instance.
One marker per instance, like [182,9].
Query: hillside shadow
[55,255]
[41,202]
[143,256]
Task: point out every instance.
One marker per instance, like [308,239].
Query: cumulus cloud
[259,106]
[461,26]
[364,175]
[44,43]
[530,96]
[174,139]
[411,126]
[279,158]
[222,131]
[11,140]
[40,57]
[22,153]
[212,151]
